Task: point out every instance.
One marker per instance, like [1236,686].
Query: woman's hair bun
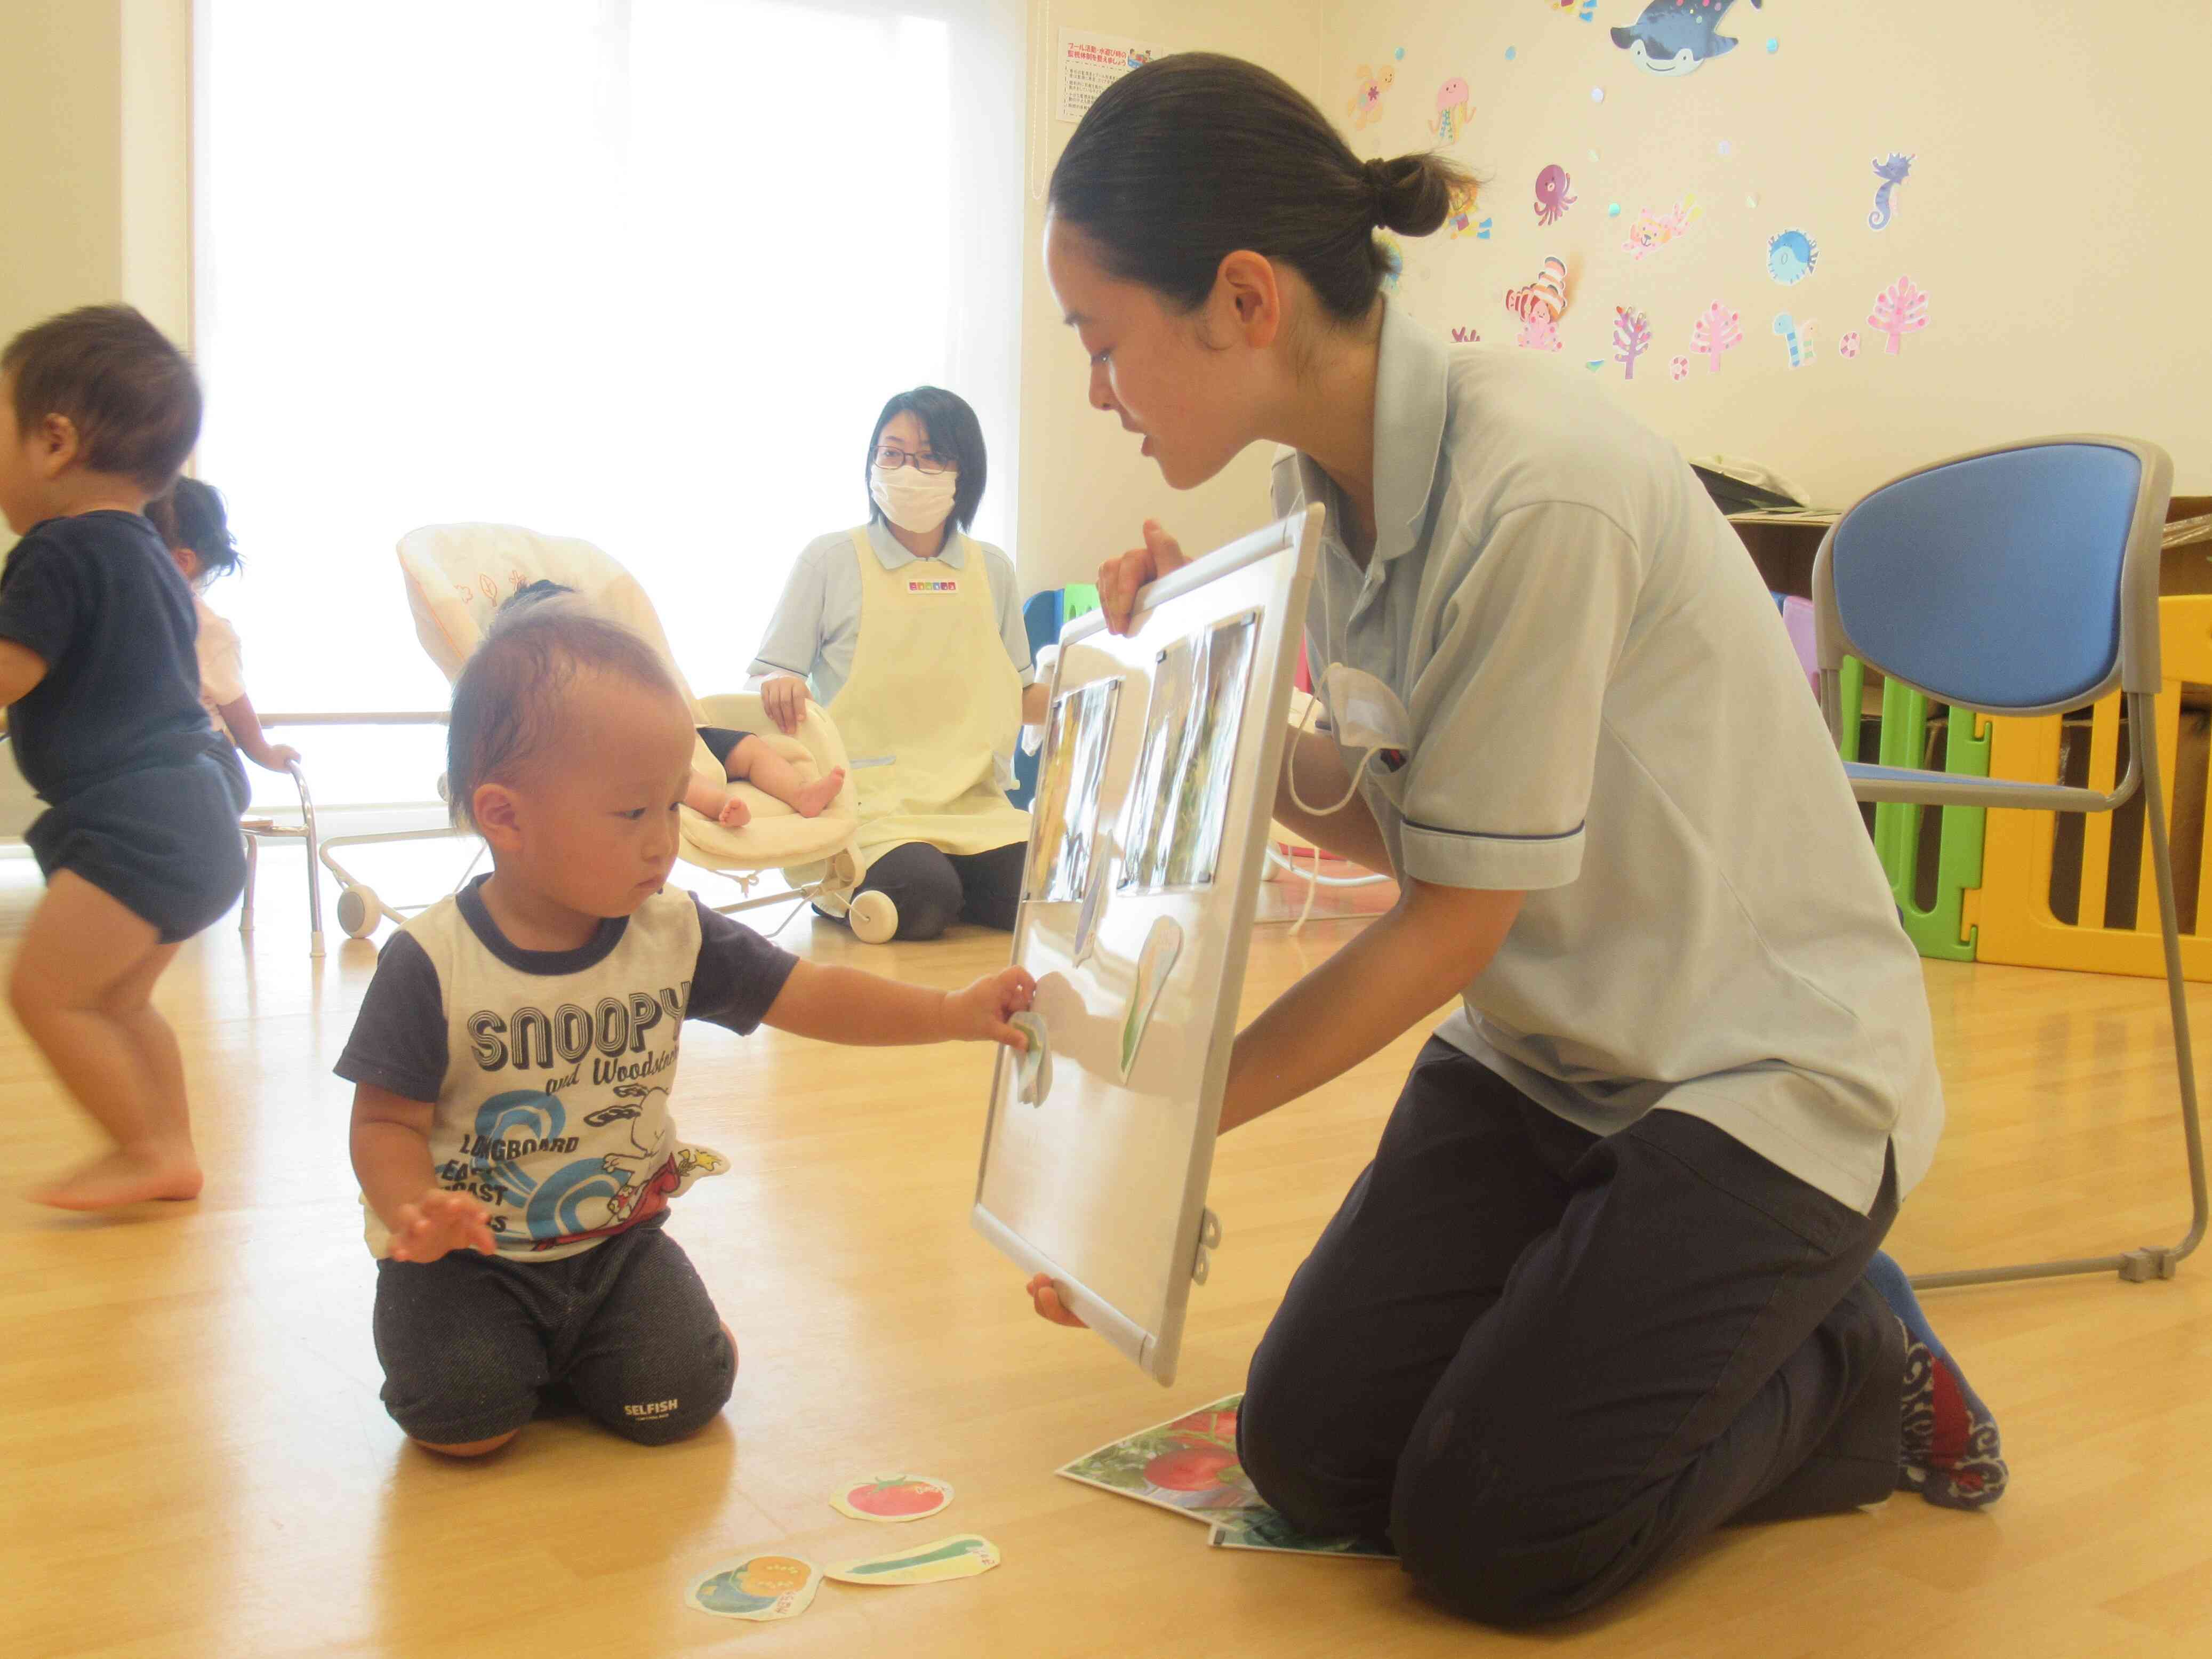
[1412,194]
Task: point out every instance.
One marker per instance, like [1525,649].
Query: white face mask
[914,501]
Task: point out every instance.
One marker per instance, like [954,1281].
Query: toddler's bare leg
[81,986]
[769,773]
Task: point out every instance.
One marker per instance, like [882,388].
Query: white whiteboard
[1148,837]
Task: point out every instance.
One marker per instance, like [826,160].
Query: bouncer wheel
[359,912]
[873,917]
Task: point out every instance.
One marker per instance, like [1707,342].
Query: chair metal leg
[253,867]
[314,865]
[2155,1261]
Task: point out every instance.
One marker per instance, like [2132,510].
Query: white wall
[94,128]
[1085,490]
[2055,214]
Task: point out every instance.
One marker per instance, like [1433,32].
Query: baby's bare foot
[736,815]
[814,799]
[125,1176]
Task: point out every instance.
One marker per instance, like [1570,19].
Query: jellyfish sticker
[1551,198]
[1454,106]
[1790,257]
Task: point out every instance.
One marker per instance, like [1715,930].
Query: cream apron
[932,702]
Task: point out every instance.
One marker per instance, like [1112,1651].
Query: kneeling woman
[1612,1278]
[910,633]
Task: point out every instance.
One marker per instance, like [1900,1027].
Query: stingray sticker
[1892,173]
[1677,37]
[964,1557]
[1790,257]
[1162,945]
[761,1589]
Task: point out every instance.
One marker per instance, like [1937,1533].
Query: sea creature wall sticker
[1648,231]
[1899,310]
[1892,173]
[1675,37]
[1790,257]
[1394,260]
[1715,330]
[1551,198]
[1797,336]
[1369,84]
[1849,345]
[1547,293]
[1454,110]
[1678,367]
[1540,304]
[1631,338]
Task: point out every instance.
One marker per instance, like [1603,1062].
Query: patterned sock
[1949,1450]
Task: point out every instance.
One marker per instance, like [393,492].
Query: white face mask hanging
[914,501]
[1364,713]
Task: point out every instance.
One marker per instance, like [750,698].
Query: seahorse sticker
[1892,173]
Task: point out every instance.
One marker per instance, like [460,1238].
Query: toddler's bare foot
[736,815]
[125,1176]
[812,801]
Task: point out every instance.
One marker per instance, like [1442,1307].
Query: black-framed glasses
[891,460]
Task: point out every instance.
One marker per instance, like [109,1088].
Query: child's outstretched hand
[980,1013]
[1044,1296]
[442,1222]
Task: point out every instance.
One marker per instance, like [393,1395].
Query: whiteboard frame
[1153,1337]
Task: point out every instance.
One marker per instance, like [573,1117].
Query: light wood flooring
[193,1460]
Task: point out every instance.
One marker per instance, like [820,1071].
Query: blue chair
[2021,580]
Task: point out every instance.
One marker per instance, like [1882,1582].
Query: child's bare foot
[125,1176]
[736,815]
[812,801]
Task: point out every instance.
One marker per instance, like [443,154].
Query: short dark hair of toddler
[510,698]
[129,393]
[192,515]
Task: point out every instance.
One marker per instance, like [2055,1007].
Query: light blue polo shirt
[816,626]
[1607,714]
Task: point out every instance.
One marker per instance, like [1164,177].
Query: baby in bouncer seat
[745,757]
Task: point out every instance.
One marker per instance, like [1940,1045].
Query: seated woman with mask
[910,633]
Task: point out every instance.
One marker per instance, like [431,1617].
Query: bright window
[637,270]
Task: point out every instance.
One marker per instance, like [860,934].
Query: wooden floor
[196,1462]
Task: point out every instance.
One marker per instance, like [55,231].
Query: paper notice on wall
[1088,63]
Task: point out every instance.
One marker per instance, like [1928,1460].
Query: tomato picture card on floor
[890,1498]
[1187,1464]
[1095,1156]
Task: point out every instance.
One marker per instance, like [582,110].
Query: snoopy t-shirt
[551,1070]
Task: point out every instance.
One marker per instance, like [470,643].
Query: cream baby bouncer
[457,576]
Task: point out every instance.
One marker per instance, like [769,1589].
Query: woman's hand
[784,697]
[979,1012]
[1120,579]
[1045,1298]
[442,1221]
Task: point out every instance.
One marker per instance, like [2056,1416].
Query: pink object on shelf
[1797,617]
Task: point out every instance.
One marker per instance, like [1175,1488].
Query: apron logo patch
[942,585]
